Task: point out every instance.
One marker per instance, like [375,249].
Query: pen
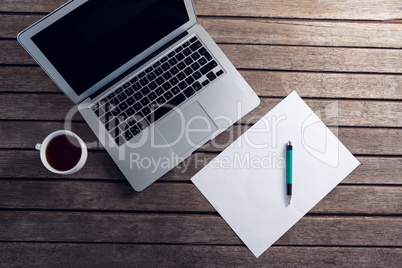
[289,166]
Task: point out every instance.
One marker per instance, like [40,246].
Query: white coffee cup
[43,146]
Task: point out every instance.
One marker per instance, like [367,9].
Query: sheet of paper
[246,183]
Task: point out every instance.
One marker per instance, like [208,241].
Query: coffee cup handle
[37,146]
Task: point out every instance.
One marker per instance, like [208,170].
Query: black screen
[99,36]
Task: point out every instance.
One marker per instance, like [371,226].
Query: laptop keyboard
[151,94]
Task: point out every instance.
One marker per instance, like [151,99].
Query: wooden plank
[264,83]
[306,33]
[117,255]
[333,112]
[382,141]
[183,229]
[345,9]
[373,170]
[326,59]
[268,31]
[275,58]
[178,197]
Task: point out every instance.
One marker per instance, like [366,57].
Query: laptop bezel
[25,39]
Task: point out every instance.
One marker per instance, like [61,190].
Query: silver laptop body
[154,94]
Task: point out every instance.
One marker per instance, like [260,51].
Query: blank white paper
[246,183]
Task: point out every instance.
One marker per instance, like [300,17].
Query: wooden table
[345,54]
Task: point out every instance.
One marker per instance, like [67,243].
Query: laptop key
[156,64]
[174,70]
[196,56]
[158,71]
[175,90]
[129,91]
[165,66]
[167,75]
[182,85]
[189,92]
[119,140]
[192,40]
[168,95]
[202,51]
[127,135]
[161,111]
[208,67]
[197,86]
[186,52]
[144,81]
[196,46]
[142,124]
[130,111]
[145,101]
[120,90]
[152,96]
[151,76]
[115,111]
[164,59]
[137,106]
[177,50]
[179,57]
[115,132]
[202,61]
[145,91]
[171,54]
[172,61]
[160,81]
[206,82]
[189,80]
[149,69]
[160,100]
[188,71]
[130,101]
[111,95]
[207,56]
[123,106]
[135,130]
[152,85]
[146,111]
[219,73]
[135,79]
[195,66]
[122,96]
[114,101]
[159,91]
[141,75]
[197,75]
[167,86]
[138,95]
[174,81]
[181,75]
[186,44]
[211,76]
[181,65]
[136,86]
[188,60]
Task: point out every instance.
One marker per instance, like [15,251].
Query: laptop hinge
[139,64]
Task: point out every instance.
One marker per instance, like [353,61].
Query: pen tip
[289,199]
[290,143]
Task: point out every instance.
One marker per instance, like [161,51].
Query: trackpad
[187,129]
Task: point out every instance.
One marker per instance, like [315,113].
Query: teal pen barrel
[289,164]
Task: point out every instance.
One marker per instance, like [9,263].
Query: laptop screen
[99,36]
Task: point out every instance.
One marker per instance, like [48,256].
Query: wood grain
[268,31]
[265,83]
[188,228]
[326,9]
[135,255]
[269,57]
[177,197]
[382,141]
[333,112]
[373,170]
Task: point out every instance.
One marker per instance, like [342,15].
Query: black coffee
[63,152]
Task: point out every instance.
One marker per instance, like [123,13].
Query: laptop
[150,82]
